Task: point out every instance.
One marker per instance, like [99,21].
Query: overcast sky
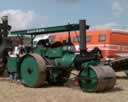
[100,14]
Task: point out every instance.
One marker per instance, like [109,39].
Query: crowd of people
[17,51]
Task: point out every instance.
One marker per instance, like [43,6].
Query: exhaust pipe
[83,44]
[5,26]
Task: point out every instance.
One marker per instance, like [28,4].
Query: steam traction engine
[53,62]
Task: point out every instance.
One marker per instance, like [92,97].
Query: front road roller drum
[33,70]
[97,78]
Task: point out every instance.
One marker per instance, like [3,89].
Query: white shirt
[16,50]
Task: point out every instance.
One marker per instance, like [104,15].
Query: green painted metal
[29,71]
[54,52]
[86,84]
[37,31]
[51,52]
[40,51]
[12,64]
[92,62]
[90,82]
[66,61]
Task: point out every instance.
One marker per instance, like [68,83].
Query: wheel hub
[29,71]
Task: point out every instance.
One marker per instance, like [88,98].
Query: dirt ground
[12,92]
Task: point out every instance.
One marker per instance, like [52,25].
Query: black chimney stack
[5,26]
[83,27]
